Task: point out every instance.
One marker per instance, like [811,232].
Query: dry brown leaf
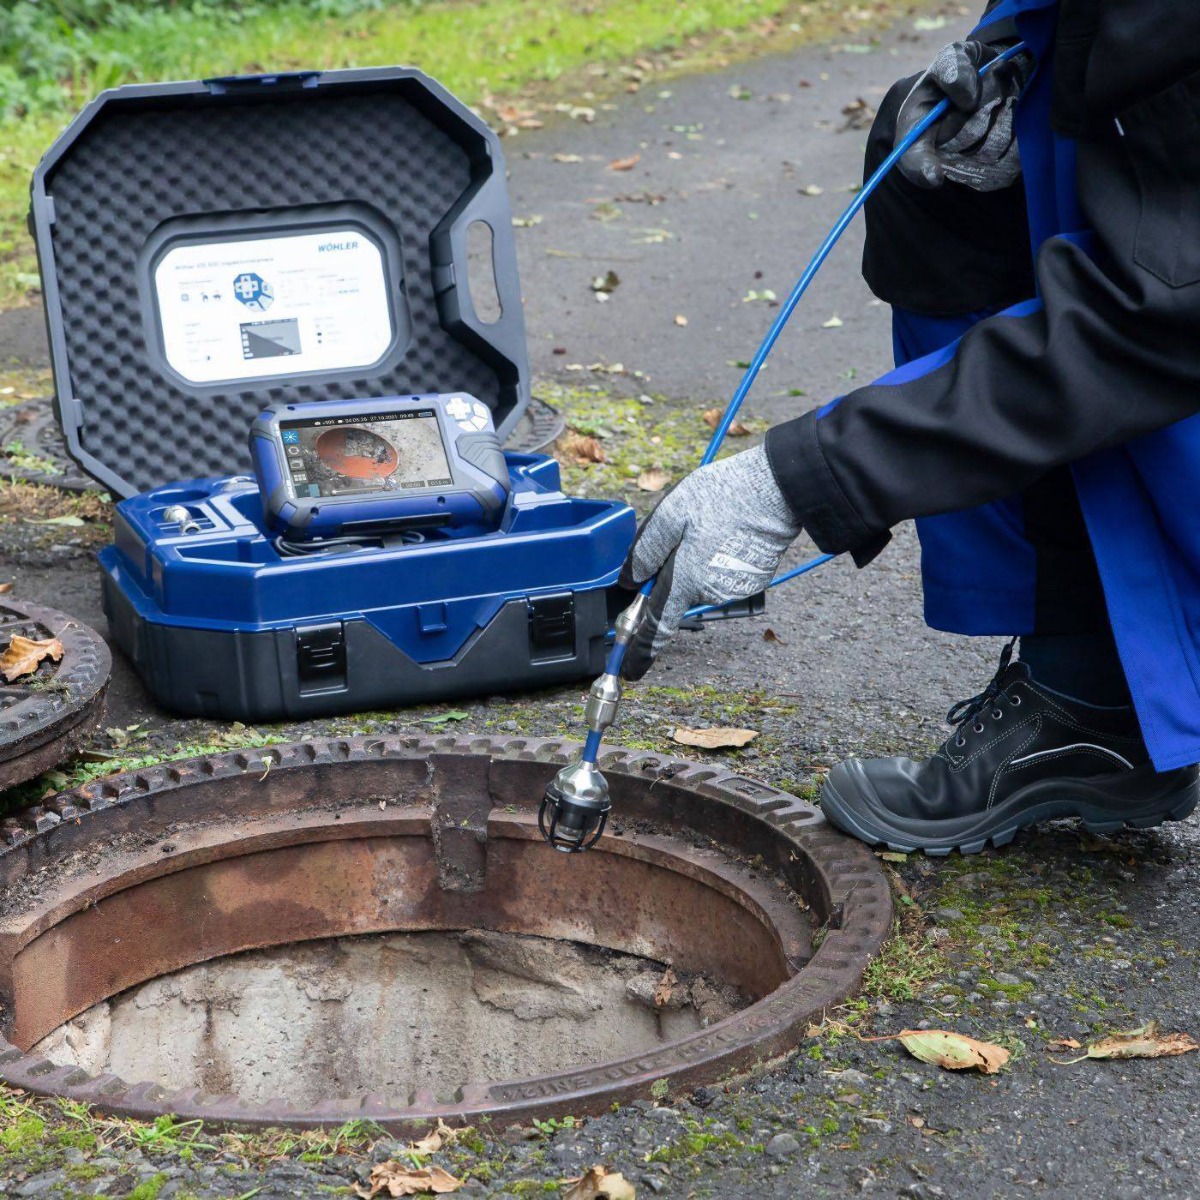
[435,1139]
[769,635]
[859,115]
[398,1179]
[653,480]
[1143,1042]
[5,588]
[954,1051]
[1066,1043]
[580,448]
[662,992]
[712,418]
[625,164]
[24,654]
[600,1184]
[714,739]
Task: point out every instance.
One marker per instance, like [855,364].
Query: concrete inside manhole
[151,930]
[387,1014]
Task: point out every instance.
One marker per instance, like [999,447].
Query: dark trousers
[949,251]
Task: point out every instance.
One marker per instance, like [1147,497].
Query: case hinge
[551,627]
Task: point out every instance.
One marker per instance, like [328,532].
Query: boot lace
[997,692]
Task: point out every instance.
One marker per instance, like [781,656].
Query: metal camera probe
[574,810]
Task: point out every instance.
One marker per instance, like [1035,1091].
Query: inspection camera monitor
[341,467]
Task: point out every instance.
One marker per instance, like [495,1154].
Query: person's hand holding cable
[716,537]
[974,144]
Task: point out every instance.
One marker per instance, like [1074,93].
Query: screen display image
[270,339]
[387,454]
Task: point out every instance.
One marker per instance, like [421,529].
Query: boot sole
[861,815]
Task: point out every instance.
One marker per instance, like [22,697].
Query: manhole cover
[32,447]
[45,717]
[540,424]
[194,862]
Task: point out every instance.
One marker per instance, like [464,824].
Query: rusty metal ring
[307,790]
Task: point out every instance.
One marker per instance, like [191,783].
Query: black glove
[973,143]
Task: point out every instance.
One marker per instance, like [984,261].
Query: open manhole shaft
[153,871]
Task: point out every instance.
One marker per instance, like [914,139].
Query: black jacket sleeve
[1111,351]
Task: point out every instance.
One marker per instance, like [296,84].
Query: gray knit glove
[717,536]
[974,143]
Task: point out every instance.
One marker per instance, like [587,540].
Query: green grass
[486,51]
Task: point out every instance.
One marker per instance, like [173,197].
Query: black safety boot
[1020,754]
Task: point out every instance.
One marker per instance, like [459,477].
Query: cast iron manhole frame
[47,723]
[844,884]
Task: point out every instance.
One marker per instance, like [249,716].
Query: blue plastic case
[216,248]
[218,623]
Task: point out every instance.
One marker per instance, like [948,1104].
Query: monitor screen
[385,453]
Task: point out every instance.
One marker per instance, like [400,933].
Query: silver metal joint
[603,701]
[629,620]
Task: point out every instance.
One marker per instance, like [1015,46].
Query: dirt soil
[1060,936]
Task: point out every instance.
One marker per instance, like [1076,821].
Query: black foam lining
[132,170]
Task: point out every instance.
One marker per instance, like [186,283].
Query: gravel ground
[1059,936]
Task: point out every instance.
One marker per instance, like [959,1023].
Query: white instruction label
[273,306]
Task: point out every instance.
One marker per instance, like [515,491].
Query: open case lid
[210,248]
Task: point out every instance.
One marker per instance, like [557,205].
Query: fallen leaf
[769,635]
[23,655]
[568,158]
[5,588]
[69,522]
[834,322]
[625,164]
[714,739]
[1066,1043]
[397,1179]
[894,856]
[712,418]
[600,1184]
[1143,1042]
[512,116]
[680,320]
[455,714]
[581,449]
[662,993]
[859,115]
[954,1051]
[606,283]
[812,190]
[527,222]
[766,294]
[653,480]
[437,1138]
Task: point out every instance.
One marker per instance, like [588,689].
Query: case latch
[321,657]
[551,626]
